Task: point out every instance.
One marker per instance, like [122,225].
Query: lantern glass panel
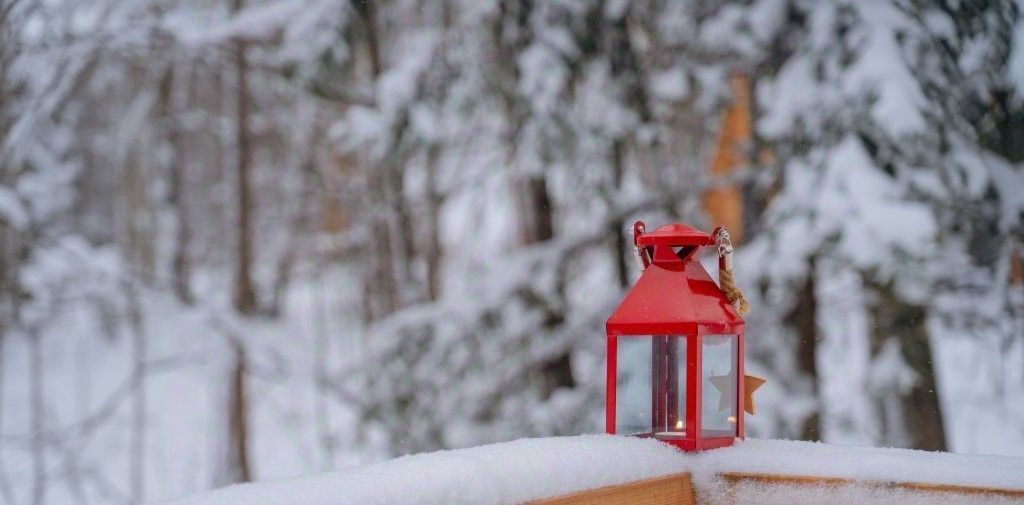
[718,375]
[651,386]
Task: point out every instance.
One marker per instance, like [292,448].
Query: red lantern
[675,347]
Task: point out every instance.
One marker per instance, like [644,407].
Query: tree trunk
[911,415]
[283,274]
[803,319]
[238,419]
[138,214]
[537,225]
[8,301]
[10,257]
[388,219]
[245,293]
[238,465]
[433,254]
[37,417]
[321,351]
[536,218]
[400,223]
[172,107]
[6,492]
[368,11]
[379,282]
[137,471]
[531,196]
[618,227]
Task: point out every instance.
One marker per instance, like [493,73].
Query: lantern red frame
[676,296]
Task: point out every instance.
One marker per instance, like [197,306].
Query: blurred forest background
[250,239]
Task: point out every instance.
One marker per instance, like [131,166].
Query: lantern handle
[642,256]
[725,277]
[725,249]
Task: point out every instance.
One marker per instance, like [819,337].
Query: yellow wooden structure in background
[724,204]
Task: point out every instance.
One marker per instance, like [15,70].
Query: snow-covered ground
[530,469]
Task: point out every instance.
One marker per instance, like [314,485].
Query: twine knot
[732,293]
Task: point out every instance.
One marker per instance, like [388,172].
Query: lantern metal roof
[674,295]
[676,235]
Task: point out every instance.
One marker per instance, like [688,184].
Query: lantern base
[689,445]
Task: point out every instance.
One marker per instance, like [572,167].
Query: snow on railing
[605,469]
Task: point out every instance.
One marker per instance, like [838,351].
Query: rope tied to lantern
[726,281]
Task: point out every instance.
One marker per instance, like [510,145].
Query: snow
[544,77]
[670,84]
[828,83]
[531,469]
[838,192]
[11,209]
[505,473]
[862,463]
[254,23]
[1016,64]
[881,68]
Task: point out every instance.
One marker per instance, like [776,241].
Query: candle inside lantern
[672,434]
[669,434]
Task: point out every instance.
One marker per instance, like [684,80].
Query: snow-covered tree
[872,152]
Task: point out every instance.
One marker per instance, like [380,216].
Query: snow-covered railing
[610,470]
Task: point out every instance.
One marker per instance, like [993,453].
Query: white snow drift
[529,469]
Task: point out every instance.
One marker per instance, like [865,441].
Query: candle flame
[679,424]
[732,419]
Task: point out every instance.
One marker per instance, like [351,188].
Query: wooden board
[677,489]
[734,478]
[673,489]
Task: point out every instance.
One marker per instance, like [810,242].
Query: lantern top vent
[673,235]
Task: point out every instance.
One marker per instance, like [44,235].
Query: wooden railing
[671,489]
[678,489]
